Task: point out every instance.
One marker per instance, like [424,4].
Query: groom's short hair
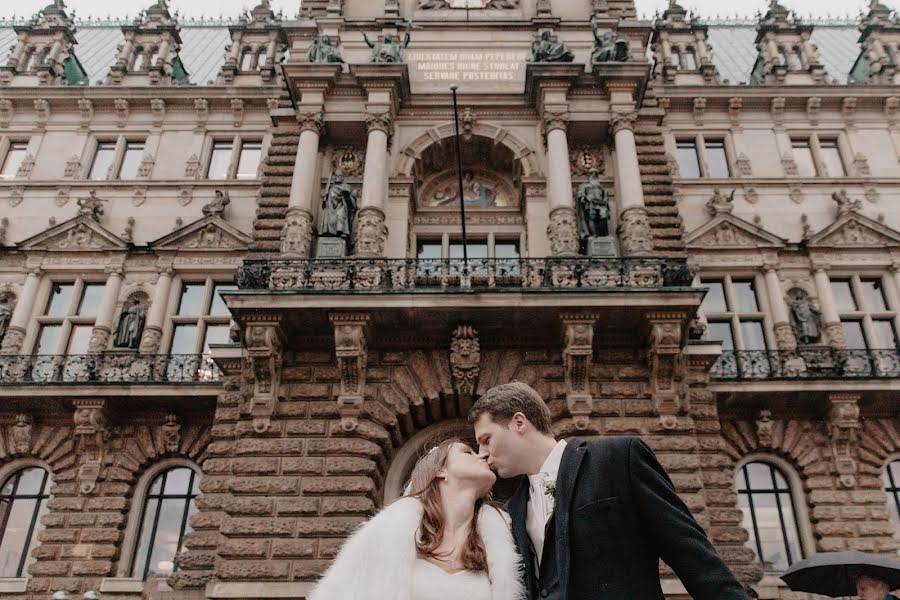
[503,401]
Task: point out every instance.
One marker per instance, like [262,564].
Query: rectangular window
[732,309]
[219,161]
[131,160]
[248,165]
[843,296]
[68,317]
[717,159]
[831,158]
[234,159]
[721,331]
[474,249]
[884,336]
[853,332]
[15,155]
[688,159]
[867,317]
[426,250]
[873,295]
[714,301]
[103,161]
[201,318]
[803,157]
[60,299]
[744,296]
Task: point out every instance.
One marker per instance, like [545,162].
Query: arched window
[261,59]
[247,59]
[23,501]
[139,62]
[689,60]
[892,487]
[168,506]
[765,498]
[676,57]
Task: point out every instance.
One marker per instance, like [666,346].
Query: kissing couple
[590,522]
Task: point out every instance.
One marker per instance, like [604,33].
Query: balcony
[806,364]
[359,275]
[112,368]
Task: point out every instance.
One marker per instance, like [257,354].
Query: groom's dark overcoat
[617,513]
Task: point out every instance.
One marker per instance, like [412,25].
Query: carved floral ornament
[578,355]
[465,359]
[351,353]
[263,352]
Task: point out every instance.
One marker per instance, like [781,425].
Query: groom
[593,518]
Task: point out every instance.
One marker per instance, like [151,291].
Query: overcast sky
[195,8]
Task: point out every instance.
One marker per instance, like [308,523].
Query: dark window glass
[768,515]
[688,159]
[23,501]
[504,250]
[428,250]
[183,339]
[474,250]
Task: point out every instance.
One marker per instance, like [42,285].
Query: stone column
[830,318]
[562,230]
[784,333]
[634,224]
[155,315]
[125,52]
[163,53]
[297,235]
[370,232]
[105,313]
[18,324]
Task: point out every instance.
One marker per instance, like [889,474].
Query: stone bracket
[263,348]
[667,368]
[92,432]
[465,362]
[578,355]
[351,353]
[845,424]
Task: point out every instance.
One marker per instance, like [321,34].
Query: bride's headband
[408,489]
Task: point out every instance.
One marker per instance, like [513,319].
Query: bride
[442,541]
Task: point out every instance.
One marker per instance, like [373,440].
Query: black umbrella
[834,573]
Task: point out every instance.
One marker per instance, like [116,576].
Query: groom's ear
[520,422]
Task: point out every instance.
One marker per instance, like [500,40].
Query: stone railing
[806,363]
[451,275]
[110,368]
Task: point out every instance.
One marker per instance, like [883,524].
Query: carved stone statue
[216,208]
[433,4]
[6,311]
[339,207]
[323,50]
[607,48]
[592,207]
[131,325]
[845,204]
[388,50]
[92,206]
[545,49]
[806,319]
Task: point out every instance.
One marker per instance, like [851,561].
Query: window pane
[885,338]
[154,58]
[506,250]
[752,332]
[131,161]
[854,334]
[23,500]
[688,160]
[219,161]
[722,331]
[261,59]
[48,341]
[192,296]
[216,334]
[218,305]
[831,156]
[60,299]
[143,547]
[689,61]
[806,167]
[714,301]
[90,299]
[103,160]
[873,295]
[473,249]
[78,339]
[183,339]
[15,535]
[14,157]
[744,296]
[717,159]
[246,60]
[138,64]
[676,58]
[843,295]
[248,164]
[428,250]
[177,481]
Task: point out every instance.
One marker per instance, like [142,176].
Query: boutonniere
[550,489]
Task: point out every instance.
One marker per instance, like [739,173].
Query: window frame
[863,313]
[893,495]
[202,320]
[445,239]
[114,172]
[6,147]
[67,321]
[700,141]
[814,140]
[10,469]
[733,316]
[237,145]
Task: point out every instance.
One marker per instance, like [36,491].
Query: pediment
[209,233]
[729,231]
[853,230]
[79,234]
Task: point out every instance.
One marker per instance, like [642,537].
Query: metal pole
[462,195]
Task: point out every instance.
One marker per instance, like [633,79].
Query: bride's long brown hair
[425,485]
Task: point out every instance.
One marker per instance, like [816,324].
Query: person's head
[870,588]
[509,421]
[447,469]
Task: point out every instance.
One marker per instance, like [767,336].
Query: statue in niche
[216,208]
[592,208]
[388,50]
[545,49]
[806,319]
[6,311]
[323,50]
[92,206]
[607,48]
[339,207]
[131,325]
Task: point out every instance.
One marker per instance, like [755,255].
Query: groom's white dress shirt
[540,501]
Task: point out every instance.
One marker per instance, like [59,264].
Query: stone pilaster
[297,235]
[830,318]
[562,230]
[152,335]
[784,332]
[106,313]
[370,232]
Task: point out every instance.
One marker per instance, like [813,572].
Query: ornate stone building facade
[234,306]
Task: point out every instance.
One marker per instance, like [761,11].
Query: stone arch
[802,444]
[52,445]
[523,153]
[879,443]
[144,444]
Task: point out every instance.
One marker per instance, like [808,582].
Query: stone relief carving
[585,158]
[16,196]
[764,428]
[263,351]
[352,355]
[22,432]
[845,425]
[92,432]
[578,356]
[7,110]
[844,203]
[562,232]
[719,203]
[80,236]
[465,359]
[171,432]
[297,235]
[201,112]
[745,169]
[73,168]
[91,206]
[348,160]
[146,167]
[666,369]
[634,232]
[123,109]
[192,167]
[216,207]
[371,232]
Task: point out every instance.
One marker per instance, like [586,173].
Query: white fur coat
[376,561]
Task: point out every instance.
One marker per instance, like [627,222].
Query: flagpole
[459,173]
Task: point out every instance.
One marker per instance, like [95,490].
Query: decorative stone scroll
[263,353]
[578,355]
[465,359]
[92,432]
[666,367]
[352,355]
[845,425]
